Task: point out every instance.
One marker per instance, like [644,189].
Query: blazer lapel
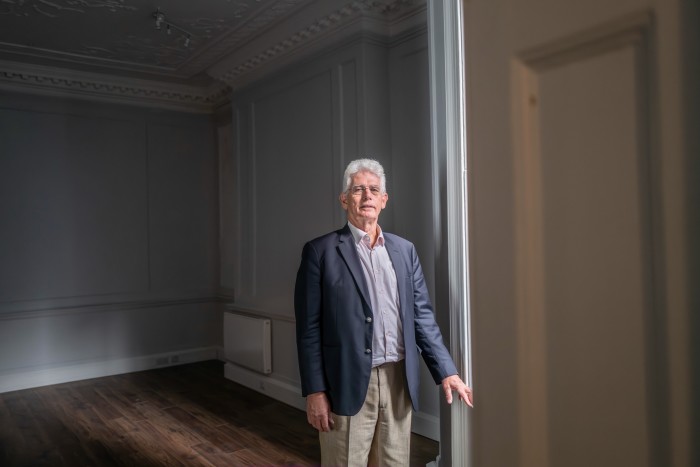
[346,248]
[399,262]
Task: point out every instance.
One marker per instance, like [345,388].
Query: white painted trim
[268,385]
[426,425]
[30,378]
[235,308]
[41,308]
[423,424]
[449,156]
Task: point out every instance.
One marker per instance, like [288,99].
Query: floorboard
[187,415]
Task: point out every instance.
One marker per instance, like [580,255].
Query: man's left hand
[455,383]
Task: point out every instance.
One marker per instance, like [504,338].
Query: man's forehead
[365,174]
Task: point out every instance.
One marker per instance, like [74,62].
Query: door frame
[450,214]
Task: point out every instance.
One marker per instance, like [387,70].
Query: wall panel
[183,206]
[585,257]
[72,191]
[108,251]
[292,132]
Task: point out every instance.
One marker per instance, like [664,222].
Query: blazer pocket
[332,304]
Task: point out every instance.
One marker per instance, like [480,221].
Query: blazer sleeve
[307,308]
[428,336]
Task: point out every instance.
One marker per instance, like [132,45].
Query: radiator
[247,342]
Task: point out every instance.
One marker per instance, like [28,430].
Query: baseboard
[423,424]
[32,378]
[426,425]
[266,384]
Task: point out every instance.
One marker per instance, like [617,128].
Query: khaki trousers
[379,435]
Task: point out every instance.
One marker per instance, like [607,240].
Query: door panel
[568,235]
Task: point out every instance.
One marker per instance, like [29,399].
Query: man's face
[364,205]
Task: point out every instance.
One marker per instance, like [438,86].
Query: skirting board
[25,379]
[426,425]
[423,424]
[268,385]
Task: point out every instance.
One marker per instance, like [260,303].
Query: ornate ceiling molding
[56,8]
[49,81]
[281,43]
[235,37]
[377,16]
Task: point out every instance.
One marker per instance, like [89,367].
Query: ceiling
[199,50]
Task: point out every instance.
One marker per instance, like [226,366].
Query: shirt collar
[358,235]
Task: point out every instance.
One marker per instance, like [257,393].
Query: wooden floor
[188,415]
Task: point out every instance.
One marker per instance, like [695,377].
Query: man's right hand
[318,411]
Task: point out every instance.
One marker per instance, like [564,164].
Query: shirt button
[368,350]
[368,319]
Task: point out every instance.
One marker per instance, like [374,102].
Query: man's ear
[343,201]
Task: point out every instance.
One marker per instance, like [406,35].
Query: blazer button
[368,319]
[368,350]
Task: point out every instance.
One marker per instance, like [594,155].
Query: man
[363,315]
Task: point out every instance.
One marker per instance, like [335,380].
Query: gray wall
[123,227]
[291,137]
[108,245]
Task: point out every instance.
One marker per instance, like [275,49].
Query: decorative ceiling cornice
[49,81]
[232,68]
[262,53]
[55,8]
[242,34]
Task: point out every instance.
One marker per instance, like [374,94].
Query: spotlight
[161,20]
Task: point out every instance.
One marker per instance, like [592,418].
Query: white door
[578,242]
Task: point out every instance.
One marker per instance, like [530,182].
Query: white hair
[364,165]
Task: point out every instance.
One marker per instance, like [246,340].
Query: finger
[448,393]
[324,423]
[467,396]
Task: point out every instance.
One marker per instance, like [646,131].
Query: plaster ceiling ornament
[320,26]
[106,48]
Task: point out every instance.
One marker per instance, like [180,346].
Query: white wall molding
[259,313]
[269,385]
[32,309]
[25,378]
[426,425]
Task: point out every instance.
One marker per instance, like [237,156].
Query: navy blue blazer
[334,321]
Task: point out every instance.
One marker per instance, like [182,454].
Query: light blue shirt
[387,337]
